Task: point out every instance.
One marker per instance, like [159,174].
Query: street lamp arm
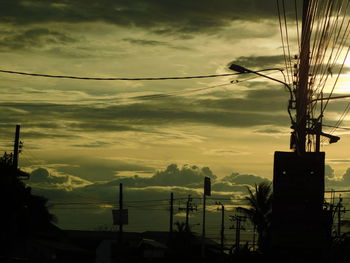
[282,82]
[242,70]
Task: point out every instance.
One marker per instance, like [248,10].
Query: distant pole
[188,212]
[238,228]
[222,227]
[120,213]
[203,226]
[171,223]
[238,232]
[339,215]
[206,191]
[16,147]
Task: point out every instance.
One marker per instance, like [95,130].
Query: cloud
[329,171]
[157,16]
[42,178]
[187,175]
[339,160]
[98,169]
[184,179]
[332,181]
[258,107]
[154,43]
[271,131]
[242,179]
[259,62]
[33,38]
[138,191]
[145,42]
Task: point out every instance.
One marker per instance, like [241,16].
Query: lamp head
[238,68]
[333,139]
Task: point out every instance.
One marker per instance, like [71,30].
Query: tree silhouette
[23,213]
[259,211]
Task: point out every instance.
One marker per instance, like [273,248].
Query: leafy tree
[23,213]
[259,211]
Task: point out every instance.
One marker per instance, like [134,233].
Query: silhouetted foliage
[259,211]
[182,242]
[22,213]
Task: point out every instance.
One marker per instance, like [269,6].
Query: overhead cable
[115,78]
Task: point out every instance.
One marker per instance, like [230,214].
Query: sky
[82,137]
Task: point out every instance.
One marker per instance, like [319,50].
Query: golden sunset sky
[96,131]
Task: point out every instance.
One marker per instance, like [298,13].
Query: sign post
[206,192]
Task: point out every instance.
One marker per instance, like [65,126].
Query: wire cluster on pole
[314,60]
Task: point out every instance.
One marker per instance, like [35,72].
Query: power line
[50,103]
[337,127]
[114,78]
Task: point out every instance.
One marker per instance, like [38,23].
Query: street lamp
[242,70]
[317,130]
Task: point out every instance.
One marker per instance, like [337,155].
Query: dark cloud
[189,177]
[181,181]
[328,171]
[158,16]
[145,42]
[258,107]
[185,176]
[97,169]
[259,62]
[269,131]
[154,43]
[42,178]
[225,186]
[33,38]
[96,144]
[100,126]
[248,179]
[331,181]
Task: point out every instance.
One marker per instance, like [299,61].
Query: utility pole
[171,222]
[302,89]
[16,148]
[222,232]
[206,191]
[121,213]
[238,219]
[188,203]
[189,208]
[339,206]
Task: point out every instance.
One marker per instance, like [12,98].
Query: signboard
[207,186]
[120,218]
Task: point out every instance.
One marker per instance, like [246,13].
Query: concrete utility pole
[222,232]
[302,89]
[171,222]
[238,219]
[339,206]
[189,208]
[206,191]
[121,213]
[16,147]
[188,203]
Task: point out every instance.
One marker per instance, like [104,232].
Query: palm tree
[259,211]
